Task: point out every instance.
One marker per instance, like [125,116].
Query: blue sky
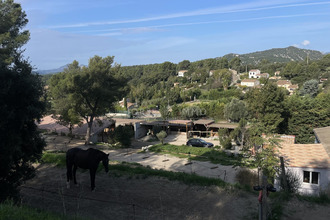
[155,31]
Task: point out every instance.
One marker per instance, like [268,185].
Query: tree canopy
[20,103]
[236,110]
[90,91]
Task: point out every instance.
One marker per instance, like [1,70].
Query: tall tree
[223,63]
[267,106]
[235,110]
[20,103]
[310,87]
[91,90]
[224,76]
[307,113]
[62,110]
[235,63]
[184,65]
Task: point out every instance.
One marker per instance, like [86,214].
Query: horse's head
[105,162]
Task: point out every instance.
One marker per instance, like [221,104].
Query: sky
[154,31]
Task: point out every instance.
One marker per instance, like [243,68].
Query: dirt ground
[134,198]
[141,197]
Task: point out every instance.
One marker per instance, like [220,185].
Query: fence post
[283,176]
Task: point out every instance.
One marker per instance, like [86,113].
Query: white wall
[308,188]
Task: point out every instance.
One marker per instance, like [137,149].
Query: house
[250,82]
[130,104]
[322,80]
[275,77]
[49,124]
[277,73]
[253,73]
[287,85]
[310,163]
[284,83]
[262,75]
[181,73]
[293,88]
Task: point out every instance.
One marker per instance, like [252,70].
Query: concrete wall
[309,188]
[140,130]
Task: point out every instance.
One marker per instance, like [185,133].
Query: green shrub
[121,134]
[161,136]
[10,211]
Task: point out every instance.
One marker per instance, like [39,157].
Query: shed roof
[203,122]
[223,125]
[126,121]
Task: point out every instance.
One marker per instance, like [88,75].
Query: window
[311,177]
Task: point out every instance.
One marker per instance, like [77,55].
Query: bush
[161,136]
[247,177]
[156,129]
[224,138]
[293,181]
[121,134]
[226,143]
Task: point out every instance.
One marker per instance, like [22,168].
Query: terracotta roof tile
[305,155]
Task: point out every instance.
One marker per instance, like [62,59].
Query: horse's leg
[74,174]
[92,175]
[68,174]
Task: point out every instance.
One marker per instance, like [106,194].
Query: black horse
[86,159]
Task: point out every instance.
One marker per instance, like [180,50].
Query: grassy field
[131,169]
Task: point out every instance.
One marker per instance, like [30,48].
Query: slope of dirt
[143,197]
[134,198]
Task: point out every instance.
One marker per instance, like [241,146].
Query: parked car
[197,142]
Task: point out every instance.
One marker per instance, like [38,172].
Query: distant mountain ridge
[58,70]
[274,55]
[277,55]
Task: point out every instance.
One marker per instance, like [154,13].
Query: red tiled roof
[284,82]
[249,80]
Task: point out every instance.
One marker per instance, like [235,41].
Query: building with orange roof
[309,162]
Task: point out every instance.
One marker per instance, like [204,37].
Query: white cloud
[305,42]
[247,7]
